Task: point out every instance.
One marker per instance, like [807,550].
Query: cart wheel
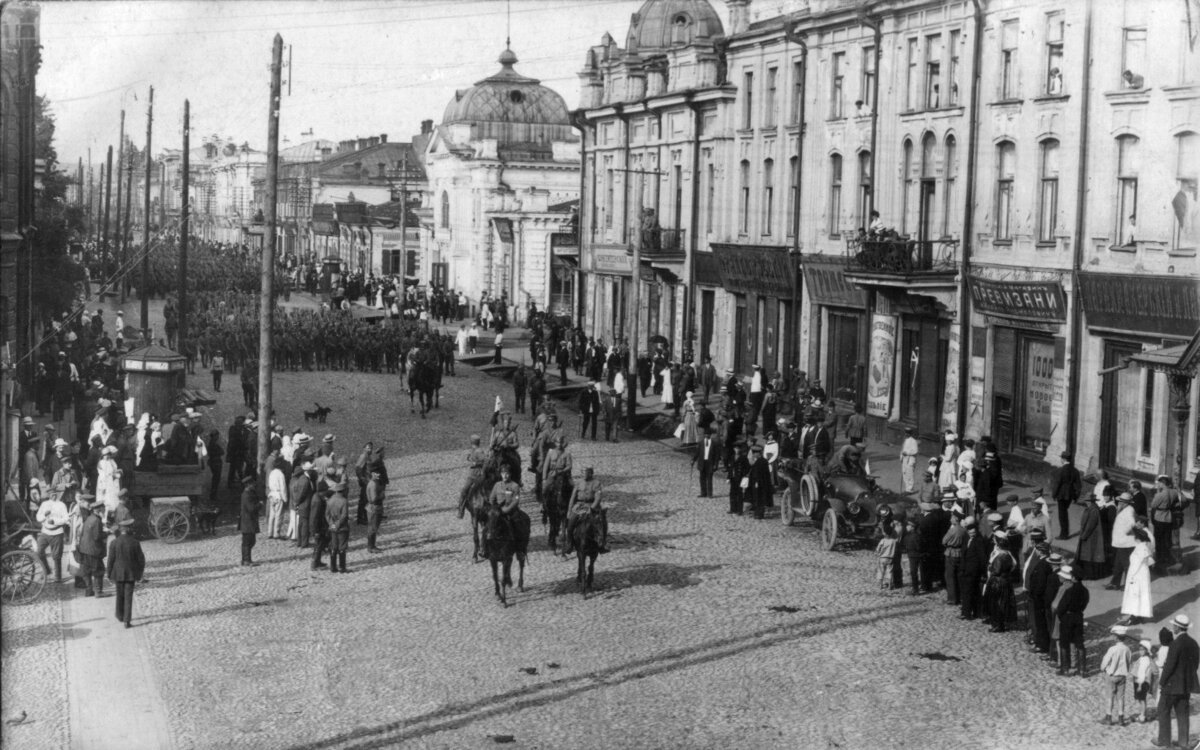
[808,494]
[171,526]
[22,577]
[829,529]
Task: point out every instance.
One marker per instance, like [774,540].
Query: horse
[586,538]
[505,538]
[423,382]
[555,499]
[475,492]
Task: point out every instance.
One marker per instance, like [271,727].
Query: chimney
[362,143]
[426,127]
[739,15]
[383,137]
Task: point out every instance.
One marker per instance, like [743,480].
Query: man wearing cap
[848,461]
[52,515]
[611,409]
[1166,505]
[739,478]
[1066,487]
[585,498]
[1069,616]
[316,517]
[337,517]
[971,570]
[1116,665]
[589,409]
[1122,541]
[1037,575]
[374,507]
[1177,683]
[706,458]
[476,459]
[325,456]
[91,548]
[1038,517]
[248,518]
[126,566]
[952,550]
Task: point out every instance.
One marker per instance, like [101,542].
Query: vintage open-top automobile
[844,506]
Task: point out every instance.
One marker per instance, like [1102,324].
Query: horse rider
[476,458]
[557,467]
[585,498]
[505,443]
[506,494]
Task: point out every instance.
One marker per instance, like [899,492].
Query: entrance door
[1119,401]
[740,336]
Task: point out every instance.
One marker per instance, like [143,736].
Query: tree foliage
[54,272]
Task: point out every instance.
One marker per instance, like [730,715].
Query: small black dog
[320,414]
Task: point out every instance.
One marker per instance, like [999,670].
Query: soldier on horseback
[505,443]
[506,494]
[476,458]
[586,499]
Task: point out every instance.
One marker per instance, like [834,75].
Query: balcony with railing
[902,260]
[662,244]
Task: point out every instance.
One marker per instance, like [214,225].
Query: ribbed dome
[661,24]
[510,107]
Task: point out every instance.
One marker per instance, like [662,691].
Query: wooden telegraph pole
[118,246]
[267,302]
[107,200]
[125,234]
[184,216]
[144,285]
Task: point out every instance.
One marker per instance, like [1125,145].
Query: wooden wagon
[171,495]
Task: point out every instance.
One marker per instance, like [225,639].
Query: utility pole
[107,200]
[635,297]
[267,302]
[184,215]
[144,285]
[98,219]
[127,230]
[118,245]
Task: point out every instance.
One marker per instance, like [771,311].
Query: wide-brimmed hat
[1119,630]
[1066,572]
[60,443]
[1055,559]
[327,439]
[1181,621]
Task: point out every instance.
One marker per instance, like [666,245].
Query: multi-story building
[655,123]
[503,171]
[293,203]
[236,189]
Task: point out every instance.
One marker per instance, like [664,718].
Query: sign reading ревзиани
[1029,300]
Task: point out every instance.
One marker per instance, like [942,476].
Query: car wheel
[809,494]
[829,529]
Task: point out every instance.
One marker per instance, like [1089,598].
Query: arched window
[744,206]
[768,206]
[445,210]
[906,171]
[1006,166]
[928,144]
[950,170]
[864,189]
[1127,189]
[1048,194]
[835,195]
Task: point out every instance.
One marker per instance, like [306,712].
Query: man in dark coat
[589,409]
[537,391]
[235,450]
[739,478]
[1065,488]
[563,360]
[1178,682]
[988,481]
[126,566]
[761,487]
[520,382]
[971,570]
[91,547]
[930,533]
[300,492]
[1037,577]
[611,409]
[248,518]
[316,521]
[1069,614]
[706,458]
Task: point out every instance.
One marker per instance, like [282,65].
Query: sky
[357,68]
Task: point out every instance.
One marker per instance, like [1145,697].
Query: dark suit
[589,410]
[301,489]
[738,468]
[706,459]
[248,521]
[930,533]
[318,527]
[816,442]
[1037,579]
[612,414]
[126,565]
[1065,488]
[1070,626]
[1179,681]
[761,488]
[970,574]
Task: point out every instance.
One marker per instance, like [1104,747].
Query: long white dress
[949,469]
[668,394]
[108,484]
[1137,600]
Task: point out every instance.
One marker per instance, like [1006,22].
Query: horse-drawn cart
[22,576]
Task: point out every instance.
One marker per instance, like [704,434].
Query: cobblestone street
[705,630]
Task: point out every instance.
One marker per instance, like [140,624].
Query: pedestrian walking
[706,457]
[589,409]
[908,457]
[1178,682]
[126,567]
[53,517]
[248,518]
[520,385]
[611,411]
[1116,664]
[91,548]
[217,368]
[761,488]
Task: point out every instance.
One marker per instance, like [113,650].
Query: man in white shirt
[52,515]
[277,499]
[908,459]
[619,386]
[1123,541]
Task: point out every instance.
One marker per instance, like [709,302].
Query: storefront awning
[827,285]
[1157,305]
[1181,359]
[567,260]
[757,269]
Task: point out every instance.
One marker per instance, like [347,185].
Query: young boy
[1116,664]
[1145,674]
[886,551]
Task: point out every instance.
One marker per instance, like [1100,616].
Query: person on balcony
[650,230]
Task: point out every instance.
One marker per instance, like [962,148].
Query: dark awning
[827,285]
[1162,305]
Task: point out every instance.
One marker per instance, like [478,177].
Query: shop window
[835,195]
[1006,158]
[1054,54]
[1048,204]
[866,88]
[842,374]
[744,203]
[933,71]
[836,92]
[951,175]
[769,112]
[1127,190]
[1009,32]
[768,206]
[1183,204]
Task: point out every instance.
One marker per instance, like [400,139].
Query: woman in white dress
[108,479]
[691,435]
[1138,604]
[948,471]
[668,393]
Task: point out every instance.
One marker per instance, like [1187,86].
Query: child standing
[912,549]
[1145,674]
[886,551]
[1115,664]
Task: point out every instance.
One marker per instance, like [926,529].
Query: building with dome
[499,215]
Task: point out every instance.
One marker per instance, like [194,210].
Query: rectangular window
[1048,206]
[1009,32]
[1148,414]
[797,92]
[747,101]
[708,124]
[769,113]
[609,177]
[793,193]
[835,195]
[866,93]
[952,73]
[864,189]
[910,97]
[836,93]
[710,197]
[933,71]
[951,171]
[1187,56]
[1133,59]
[639,131]
[1006,158]
[1054,53]
[744,203]
[1183,203]
[768,207]
[1127,190]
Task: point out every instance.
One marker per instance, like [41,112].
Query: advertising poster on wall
[950,396]
[883,354]
[1039,393]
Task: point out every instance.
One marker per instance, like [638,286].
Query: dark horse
[555,499]
[424,382]
[586,538]
[505,537]
[476,491]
